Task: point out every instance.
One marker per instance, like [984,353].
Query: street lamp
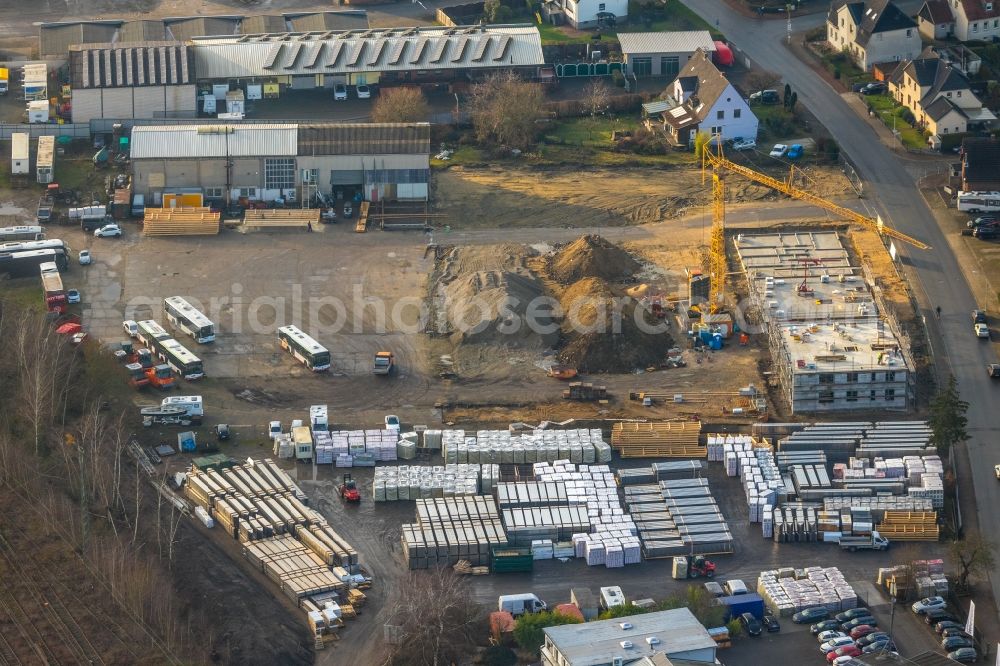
[892,617]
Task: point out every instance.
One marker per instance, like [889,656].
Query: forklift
[699,566]
[348,490]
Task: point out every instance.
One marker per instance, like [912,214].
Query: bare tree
[42,359]
[972,555]
[504,110]
[437,618]
[400,105]
[596,96]
[761,79]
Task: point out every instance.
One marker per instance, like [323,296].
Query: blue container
[742,603]
[715,342]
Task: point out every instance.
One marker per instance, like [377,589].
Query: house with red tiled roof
[934,20]
[971,19]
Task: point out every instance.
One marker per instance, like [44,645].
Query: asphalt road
[894,192]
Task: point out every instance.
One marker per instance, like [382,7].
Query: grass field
[891,111]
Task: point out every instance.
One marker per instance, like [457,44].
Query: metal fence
[74,130]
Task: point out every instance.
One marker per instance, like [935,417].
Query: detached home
[970,19]
[935,20]
[591,13]
[701,99]
[980,165]
[872,32]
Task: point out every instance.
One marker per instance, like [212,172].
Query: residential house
[592,13]
[980,165]
[701,99]
[934,20]
[871,32]
[976,19]
[661,53]
[676,634]
[939,96]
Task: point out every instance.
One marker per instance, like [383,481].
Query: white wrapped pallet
[203,516]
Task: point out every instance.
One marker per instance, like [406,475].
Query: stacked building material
[910,526]
[541,549]
[837,440]
[559,523]
[670,439]
[411,482]
[355,448]
[796,524]
[887,439]
[788,591]
[762,483]
[785,459]
[297,570]
[503,447]
[678,517]
[876,504]
[451,529]
[180,222]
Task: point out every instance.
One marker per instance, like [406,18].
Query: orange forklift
[160,376]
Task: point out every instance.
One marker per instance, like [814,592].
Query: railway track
[17,616]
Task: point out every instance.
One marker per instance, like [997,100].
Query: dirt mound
[492,307]
[584,303]
[592,256]
[627,339]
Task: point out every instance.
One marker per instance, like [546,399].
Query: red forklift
[699,566]
[348,490]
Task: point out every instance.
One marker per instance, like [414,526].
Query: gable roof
[975,10]
[936,12]
[710,83]
[882,16]
[980,159]
[666,42]
[854,8]
[941,107]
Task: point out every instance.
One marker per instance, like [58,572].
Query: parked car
[980,221]
[845,660]
[222,432]
[825,625]
[72,296]
[108,231]
[858,87]
[765,97]
[944,625]
[966,655]
[131,328]
[873,88]
[845,651]
[952,643]
[982,331]
[861,631]
[993,371]
[771,623]
[274,429]
[851,625]
[739,143]
[795,152]
[884,645]
[85,258]
[954,631]
[829,635]
[933,616]
[750,624]
[779,150]
[364,92]
[392,422]
[810,615]
[340,93]
[927,604]
[873,637]
[978,316]
[714,589]
[836,643]
[851,614]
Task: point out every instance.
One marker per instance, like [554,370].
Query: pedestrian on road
[938,310]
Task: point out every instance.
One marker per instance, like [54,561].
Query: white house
[703,100]
[589,13]
[872,32]
[973,19]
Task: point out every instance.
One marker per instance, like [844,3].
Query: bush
[528,632]
[498,655]
[618,78]
[908,116]
[817,34]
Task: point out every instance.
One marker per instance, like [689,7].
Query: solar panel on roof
[377,50]
[502,48]
[418,51]
[459,53]
[397,52]
[355,58]
[439,50]
[293,55]
[272,56]
[481,47]
[314,54]
[335,49]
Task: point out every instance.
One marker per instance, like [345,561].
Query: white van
[735,587]
[192,403]
[319,417]
[519,604]
[612,597]
[274,429]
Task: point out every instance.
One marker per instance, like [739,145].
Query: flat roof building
[662,53]
[832,348]
[675,633]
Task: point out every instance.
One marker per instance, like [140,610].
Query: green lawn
[888,109]
[672,16]
[463,155]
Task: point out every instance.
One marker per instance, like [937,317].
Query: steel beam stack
[678,517]
[452,529]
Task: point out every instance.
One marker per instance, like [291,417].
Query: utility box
[235,102]
[208,106]
[45,160]
[20,154]
[38,111]
[302,439]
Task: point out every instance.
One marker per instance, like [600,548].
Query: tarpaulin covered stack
[411,482]
[788,591]
[503,447]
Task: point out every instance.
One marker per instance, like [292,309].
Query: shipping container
[45,160]
[743,603]
[20,154]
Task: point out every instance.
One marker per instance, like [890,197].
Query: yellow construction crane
[717,250]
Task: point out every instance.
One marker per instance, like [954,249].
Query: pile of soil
[592,256]
[584,303]
[491,307]
[623,345]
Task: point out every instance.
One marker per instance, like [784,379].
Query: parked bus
[62,250]
[306,351]
[182,361]
[21,234]
[150,334]
[182,315]
[20,264]
[979,202]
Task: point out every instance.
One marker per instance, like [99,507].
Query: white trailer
[45,160]
[35,80]
[302,437]
[20,154]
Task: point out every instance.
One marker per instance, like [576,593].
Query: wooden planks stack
[910,526]
[287,218]
[180,222]
[362,224]
[669,439]
[296,569]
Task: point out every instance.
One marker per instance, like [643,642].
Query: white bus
[306,351]
[150,333]
[979,202]
[182,315]
[21,234]
[182,361]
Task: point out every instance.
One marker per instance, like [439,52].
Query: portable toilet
[208,104]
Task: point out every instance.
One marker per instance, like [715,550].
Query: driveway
[940,277]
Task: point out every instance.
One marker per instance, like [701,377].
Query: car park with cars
[928,603]
[813,614]
[750,624]
[825,625]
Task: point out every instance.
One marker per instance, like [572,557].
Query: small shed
[569,610]
[662,53]
[586,601]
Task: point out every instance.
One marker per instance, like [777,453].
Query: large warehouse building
[268,161]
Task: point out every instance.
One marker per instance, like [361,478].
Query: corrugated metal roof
[193,141]
[666,42]
[365,139]
[263,23]
[322,21]
[186,28]
[114,66]
[56,38]
[427,48]
[141,31]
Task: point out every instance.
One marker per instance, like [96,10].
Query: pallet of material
[362,224]
[670,439]
[910,526]
[289,218]
[180,222]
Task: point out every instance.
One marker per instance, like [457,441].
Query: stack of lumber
[910,526]
[465,568]
[585,391]
[289,218]
[180,222]
[362,224]
[297,570]
[670,439]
